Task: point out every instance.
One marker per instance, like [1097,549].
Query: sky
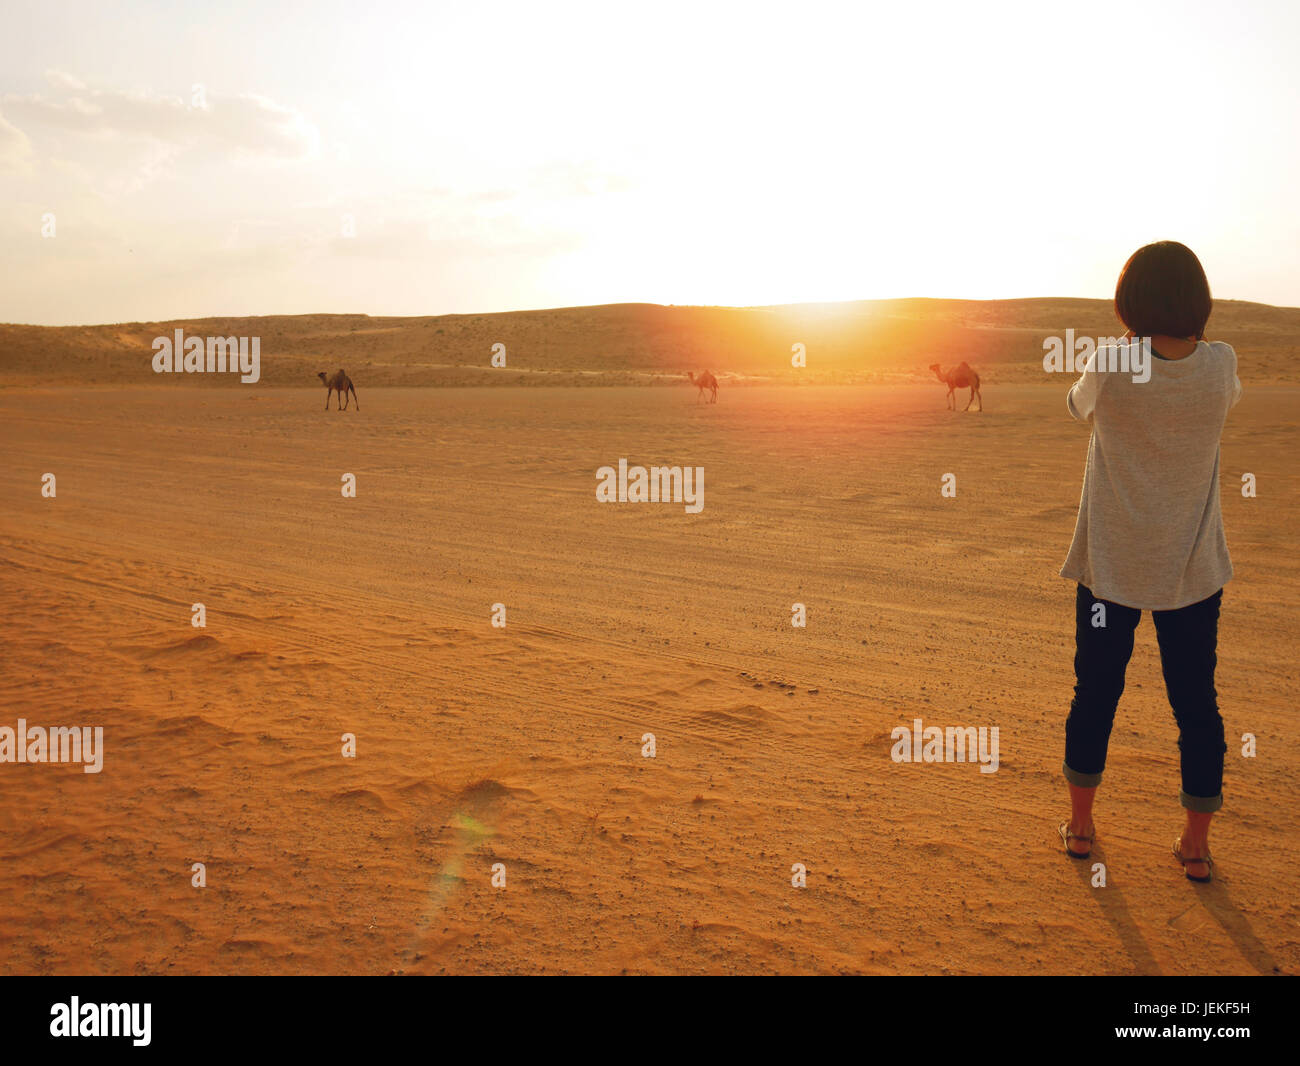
[169,160]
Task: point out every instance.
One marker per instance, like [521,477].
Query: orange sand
[521,746]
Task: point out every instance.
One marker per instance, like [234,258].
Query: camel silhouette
[703,382]
[342,384]
[960,377]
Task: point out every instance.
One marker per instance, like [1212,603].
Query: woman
[1149,535]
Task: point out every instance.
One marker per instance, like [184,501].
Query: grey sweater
[1150,532]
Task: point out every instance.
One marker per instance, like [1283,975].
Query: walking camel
[960,377]
[342,384]
[704,381]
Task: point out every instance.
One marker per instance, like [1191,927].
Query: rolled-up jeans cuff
[1203,804]
[1081,780]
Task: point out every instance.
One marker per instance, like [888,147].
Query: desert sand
[522,745]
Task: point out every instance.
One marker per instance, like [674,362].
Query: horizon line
[619,303]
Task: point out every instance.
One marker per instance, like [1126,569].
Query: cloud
[247,125]
[462,237]
[63,79]
[15,148]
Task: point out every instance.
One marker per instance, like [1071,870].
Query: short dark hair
[1162,290]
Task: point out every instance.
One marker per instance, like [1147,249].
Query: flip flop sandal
[1067,836]
[1185,860]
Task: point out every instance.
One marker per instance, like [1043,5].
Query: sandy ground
[522,745]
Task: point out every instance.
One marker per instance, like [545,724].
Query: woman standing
[1149,535]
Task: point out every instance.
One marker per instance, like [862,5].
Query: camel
[704,381]
[342,384]
[960,377]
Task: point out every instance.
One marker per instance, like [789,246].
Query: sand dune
[523,746]
[634,344]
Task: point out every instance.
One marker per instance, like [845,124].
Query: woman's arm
[1082,397]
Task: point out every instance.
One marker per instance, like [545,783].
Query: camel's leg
[346,398]
[328,390]
[971,400]
[979,397]
[354,397]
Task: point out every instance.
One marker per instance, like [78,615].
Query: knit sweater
[1150,533]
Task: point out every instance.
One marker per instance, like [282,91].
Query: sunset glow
[530,157]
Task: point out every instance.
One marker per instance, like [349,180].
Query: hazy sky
[499,156]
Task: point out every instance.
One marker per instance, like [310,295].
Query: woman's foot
[1195,857]
[1078,839]
[1192,848]
[1079,834]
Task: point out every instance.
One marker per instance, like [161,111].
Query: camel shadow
[1114,907]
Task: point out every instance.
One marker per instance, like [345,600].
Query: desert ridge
[857,342]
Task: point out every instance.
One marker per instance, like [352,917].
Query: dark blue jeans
[1188,638]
